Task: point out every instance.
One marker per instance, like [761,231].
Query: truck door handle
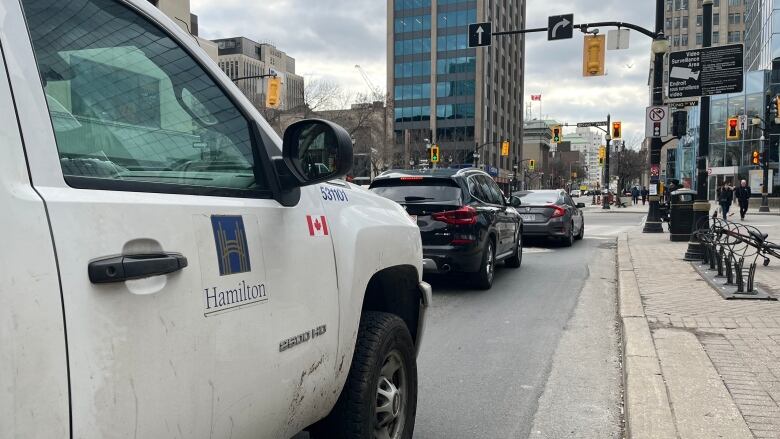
[136,266]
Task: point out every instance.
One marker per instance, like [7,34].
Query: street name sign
[560,27]
[706,72]
[657,121]
[480,34]
[682,104]
[592,124]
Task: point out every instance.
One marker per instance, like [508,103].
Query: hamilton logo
[232,247]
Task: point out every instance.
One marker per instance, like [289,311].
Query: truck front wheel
[379,399]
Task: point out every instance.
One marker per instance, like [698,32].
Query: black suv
[466,223]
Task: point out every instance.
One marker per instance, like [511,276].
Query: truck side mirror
[316,151]
[515,201]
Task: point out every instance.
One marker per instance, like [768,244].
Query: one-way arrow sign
[560,27]
[480,34]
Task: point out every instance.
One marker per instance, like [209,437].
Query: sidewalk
[696,365]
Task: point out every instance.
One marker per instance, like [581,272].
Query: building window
[677,22]
[699,39]
[684,5]
[715,37]
[735,2]
[715,19]
[699,20]
[676,40]
[734,37]
[685,22]
[668,24]
[735,18]
[684,39]
[411,4]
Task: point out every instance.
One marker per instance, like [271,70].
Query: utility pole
[701,207]
[605,198]
[660,46]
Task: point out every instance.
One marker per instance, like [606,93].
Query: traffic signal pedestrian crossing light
[435,154]
[531,165]
[732,128]
[557,134]
[756,158]
[505,148]
[617,130]
[593,55]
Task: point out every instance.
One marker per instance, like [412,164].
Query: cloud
[328,37]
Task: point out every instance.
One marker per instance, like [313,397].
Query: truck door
[195,304]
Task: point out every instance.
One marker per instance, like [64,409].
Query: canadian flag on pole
[318,225]
[536,97]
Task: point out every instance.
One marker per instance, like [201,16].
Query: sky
[328,38]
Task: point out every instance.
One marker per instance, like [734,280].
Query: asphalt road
[535,356]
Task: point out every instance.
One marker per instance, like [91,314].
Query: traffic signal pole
[605,197]
[653,222]
[701,207]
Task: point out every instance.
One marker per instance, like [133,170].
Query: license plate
[528,217]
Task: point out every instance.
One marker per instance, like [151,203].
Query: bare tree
[628,166]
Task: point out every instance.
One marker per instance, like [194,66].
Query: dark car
[465,222]
[551,213]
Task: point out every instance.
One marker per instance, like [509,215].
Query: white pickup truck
[169,267]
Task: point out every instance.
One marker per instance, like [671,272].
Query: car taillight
[558,212]
[464,216]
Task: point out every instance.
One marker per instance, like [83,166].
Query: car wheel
[568,241]
[379,399]
[582,232]
[483,279]
[516,259]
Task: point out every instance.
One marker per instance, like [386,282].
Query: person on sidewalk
[743,198]
[635,195]
[725,198]
[645,194]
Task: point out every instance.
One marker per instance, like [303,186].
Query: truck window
[131,109]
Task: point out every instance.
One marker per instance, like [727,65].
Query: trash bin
[681,214]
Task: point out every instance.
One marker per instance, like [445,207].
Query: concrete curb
[648,412]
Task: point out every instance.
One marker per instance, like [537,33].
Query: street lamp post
[701,206]
[660,46]
[605,197]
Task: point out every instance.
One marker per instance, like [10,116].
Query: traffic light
[617,130]
[756,158]
[434,153]
[273,95]
[505,148]
[557,134]
[732,129]
[602,152]
[531,165]
[593,55]
[679,123]
[773,104]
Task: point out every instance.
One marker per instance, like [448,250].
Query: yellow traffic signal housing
[531,164]
[617,130]
[756,158]
[273,97]
[602,152]
[435,154]
[505,148]
[557,134]
[732,129]
[593,55]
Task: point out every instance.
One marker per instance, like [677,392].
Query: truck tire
[483,279]
[379,398]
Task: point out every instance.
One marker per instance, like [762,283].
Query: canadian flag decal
[318,225]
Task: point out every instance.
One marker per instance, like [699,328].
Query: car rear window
[418,191]
[540,198]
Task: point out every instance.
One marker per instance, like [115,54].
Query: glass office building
[449,94]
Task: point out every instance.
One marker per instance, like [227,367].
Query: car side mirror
[515,201]
[580,205]
[316,150]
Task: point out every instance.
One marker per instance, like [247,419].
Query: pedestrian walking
[743,198]
[635,195]
[725,198]
[645,193]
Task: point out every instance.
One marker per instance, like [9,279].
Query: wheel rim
[489,264]
[391,391]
